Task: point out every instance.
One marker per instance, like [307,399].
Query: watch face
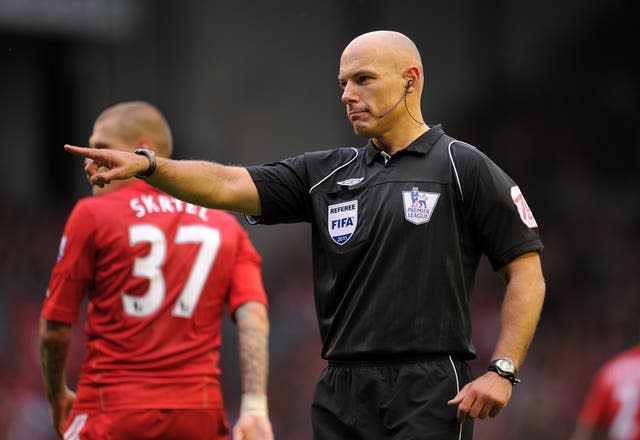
[505,365]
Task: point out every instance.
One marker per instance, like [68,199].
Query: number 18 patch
[342,221]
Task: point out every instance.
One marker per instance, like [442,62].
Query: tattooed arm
[55,338]
[253,347]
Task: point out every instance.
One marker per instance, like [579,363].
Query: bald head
[387,42]
[392,49]
[381,80]
[138,123]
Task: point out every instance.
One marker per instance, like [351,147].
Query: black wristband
[152,162]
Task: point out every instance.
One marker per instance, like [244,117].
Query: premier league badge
[342,221]
[419,205]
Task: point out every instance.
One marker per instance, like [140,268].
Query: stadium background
[549,89]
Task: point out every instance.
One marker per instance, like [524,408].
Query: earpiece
[403,97]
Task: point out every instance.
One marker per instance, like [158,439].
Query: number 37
[149,267]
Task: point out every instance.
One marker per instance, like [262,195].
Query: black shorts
[390,400]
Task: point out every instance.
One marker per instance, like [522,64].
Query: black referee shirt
[397,240]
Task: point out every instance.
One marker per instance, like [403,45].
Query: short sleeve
[494,208]
[246,278]
[284,191]
[72,273]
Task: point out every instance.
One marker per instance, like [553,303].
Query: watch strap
[152,162]
[509,375]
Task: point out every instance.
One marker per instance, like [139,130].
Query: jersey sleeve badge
[523,209]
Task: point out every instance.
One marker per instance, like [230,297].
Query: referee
[399,226]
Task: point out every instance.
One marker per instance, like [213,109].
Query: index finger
[81,151]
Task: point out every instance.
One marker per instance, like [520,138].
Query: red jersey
[613,403]
[158,273]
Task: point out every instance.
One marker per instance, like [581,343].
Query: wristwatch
[151,156]
[505,368]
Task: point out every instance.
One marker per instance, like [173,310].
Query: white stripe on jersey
[455,372]
[455,170]
[334,171]
[73,432]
